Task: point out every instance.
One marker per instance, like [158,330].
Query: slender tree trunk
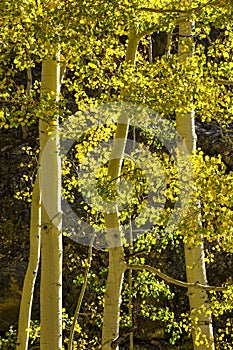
[112,301]
[194,255]
[31,274]
[131,342]
[51,236]
[81,295]
[116,252]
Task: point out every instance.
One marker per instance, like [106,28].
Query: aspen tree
[194,254]
[32,269]
[51,236]
[116,253]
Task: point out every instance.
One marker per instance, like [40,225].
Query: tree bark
[194,255]
[112,302]
[51,236]
[32,269]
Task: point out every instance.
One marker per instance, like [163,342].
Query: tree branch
[173,280]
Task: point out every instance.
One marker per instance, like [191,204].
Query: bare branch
[173,280]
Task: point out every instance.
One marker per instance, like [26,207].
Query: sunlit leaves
[213,197]
[92,36]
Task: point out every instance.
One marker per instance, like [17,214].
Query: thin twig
[131,289]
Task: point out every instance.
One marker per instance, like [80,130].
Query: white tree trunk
[31,274]
[194,255]
[51,236]
[110,330]
[112,301]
